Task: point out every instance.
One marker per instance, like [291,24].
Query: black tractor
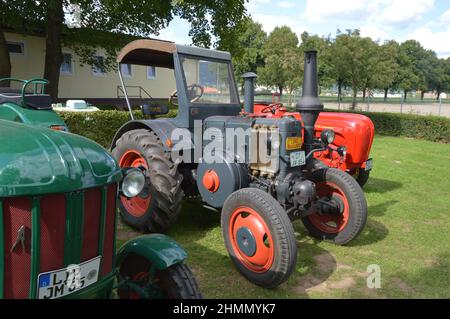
[258,171]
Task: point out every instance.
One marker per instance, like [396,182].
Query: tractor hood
[38,161]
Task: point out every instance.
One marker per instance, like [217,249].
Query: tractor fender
[161,127]
[161,250]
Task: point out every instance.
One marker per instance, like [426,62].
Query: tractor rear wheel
[175,282]
[259,237]
[157,207]
[343,212]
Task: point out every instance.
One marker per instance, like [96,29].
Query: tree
[208,19]
[355,60]
[386,67]
[440,81]
[322,46]
[411,61]
[251,40]
[280,51]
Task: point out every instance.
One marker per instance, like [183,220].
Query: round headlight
[327,136]
[133,183]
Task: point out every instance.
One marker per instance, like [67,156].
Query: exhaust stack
[249,91]
[309,105]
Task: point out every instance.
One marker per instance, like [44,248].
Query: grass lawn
[407,235]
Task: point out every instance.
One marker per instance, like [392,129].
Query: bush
[101,126]
[431,128]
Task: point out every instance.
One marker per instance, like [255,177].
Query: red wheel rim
[331,223]
[247,218]
[136,206]
[139,277]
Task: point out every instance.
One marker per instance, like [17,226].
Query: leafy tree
[411,75]
[440,82]
[322,46]
[281,56]
[386,67]
[208,19]
[251,40]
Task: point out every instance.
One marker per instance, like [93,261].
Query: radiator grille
[53,245]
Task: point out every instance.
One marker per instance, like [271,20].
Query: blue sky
[427,21]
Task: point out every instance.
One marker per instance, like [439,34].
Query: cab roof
[160,53]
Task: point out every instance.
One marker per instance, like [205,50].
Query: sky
[427,21]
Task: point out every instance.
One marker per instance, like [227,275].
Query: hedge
[101,126]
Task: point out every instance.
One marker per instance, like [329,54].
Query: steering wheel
[195,92]
[272,108]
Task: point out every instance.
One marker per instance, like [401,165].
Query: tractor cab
[205,84]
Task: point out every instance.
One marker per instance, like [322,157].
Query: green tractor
[259,171]
[58,209]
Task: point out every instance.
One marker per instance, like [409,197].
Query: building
[77,81]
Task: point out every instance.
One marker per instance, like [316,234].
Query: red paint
[17,213]
[91,223]
[335,223]
[53,232]
[108,240]
[136,206]
[262,260]
[354,131]
[211,181]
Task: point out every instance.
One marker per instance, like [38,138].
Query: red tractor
[354,131]
[259,169]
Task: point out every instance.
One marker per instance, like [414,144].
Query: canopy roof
[148,52]
[160,53]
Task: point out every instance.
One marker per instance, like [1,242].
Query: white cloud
[321,10]
[269,22]
[286,4]
[399,13]
[404,12]
[445,17]
[374,32]
[438,41]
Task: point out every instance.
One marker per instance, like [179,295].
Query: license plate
[369,165]
[297,158]
[62,282]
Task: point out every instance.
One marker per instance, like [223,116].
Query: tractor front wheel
[137,280]
[342,208]
[157,207]
[259,237]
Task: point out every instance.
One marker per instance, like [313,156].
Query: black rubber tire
[357,202]
[280,227]
[164,181]
[362,176]
[176,282]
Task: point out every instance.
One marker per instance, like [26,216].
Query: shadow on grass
[372,233]
[380,209]
[379,185]
[316,265]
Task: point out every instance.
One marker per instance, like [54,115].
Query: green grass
[407,235]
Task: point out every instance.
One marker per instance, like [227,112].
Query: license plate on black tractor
[63,282]
[297,158]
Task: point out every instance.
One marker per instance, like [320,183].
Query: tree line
[346,61]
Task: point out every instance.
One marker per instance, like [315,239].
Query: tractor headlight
[133,183]
[327,136]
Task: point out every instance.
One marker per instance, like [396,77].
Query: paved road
[420,109]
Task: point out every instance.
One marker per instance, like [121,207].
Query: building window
[16,47]
[98,68]
[66,65]
[151,72]
[126,70]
